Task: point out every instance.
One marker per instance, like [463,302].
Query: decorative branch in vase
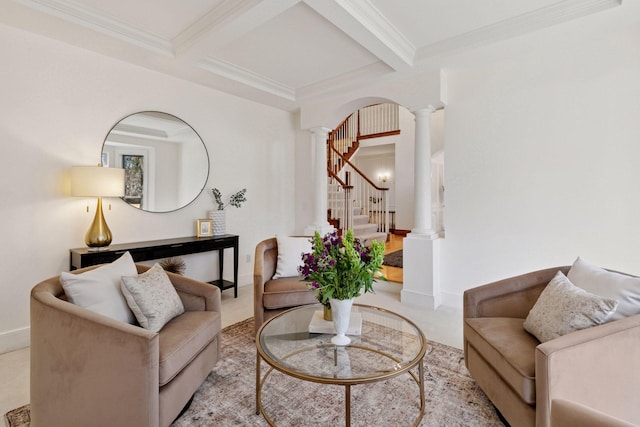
[218,215]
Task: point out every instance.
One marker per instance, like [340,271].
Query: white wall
[542,156]
[58,103]
[372,165]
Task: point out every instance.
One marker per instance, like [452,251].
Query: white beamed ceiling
[286,53]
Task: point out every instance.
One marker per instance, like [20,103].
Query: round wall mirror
[165,161]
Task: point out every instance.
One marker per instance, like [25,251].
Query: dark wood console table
[158,249]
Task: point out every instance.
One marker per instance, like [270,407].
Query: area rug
[227,397]
[393,259]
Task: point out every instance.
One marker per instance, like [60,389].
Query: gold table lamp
[96,181]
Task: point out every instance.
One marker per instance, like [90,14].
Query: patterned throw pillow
[152,298]
[563,308]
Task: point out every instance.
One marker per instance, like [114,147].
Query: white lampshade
[93,181]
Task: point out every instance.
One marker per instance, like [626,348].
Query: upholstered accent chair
[273,296]
[565,413]
[595,367]
[88,369]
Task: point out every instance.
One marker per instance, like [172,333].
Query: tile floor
[443,325]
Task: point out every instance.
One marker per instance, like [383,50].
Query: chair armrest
[264,267]
[565,413]
[596,367]
[512,297]
[91,362]
[196,295]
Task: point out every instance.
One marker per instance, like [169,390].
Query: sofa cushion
[290,250]
[152,298]
[287,292]
[620,287]
[98,290]
[563,308]
[508,348]
[183,338]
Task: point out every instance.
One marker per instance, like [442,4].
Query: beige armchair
[273,296]
[565,413]
[595,367]
[90,370]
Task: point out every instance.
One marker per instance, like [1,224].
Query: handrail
[337,178]
[355,168]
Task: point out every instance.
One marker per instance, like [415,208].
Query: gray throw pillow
[620,287]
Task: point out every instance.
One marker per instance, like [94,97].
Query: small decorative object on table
[218,215]
[338,268]
[175,264]
[204,228]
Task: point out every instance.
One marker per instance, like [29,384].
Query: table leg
[257,383]
[347,404]
[235,271]
[421,383]
[221,267]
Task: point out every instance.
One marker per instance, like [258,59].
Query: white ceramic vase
[341,312]
[219,222]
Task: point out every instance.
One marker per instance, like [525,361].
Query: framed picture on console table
[204,227]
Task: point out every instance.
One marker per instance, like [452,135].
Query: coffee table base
[419,380]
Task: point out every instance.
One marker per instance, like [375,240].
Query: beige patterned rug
[227,397]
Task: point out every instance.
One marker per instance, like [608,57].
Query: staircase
[359,221]
[354,201]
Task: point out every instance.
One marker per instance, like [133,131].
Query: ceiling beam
[366,25]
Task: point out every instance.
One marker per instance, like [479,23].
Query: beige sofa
[90,370]
[596,367]
[273,296]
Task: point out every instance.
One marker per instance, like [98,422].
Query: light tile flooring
[443,325]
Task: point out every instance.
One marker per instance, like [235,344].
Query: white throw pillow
[563,308]
[98,290]
[290,250]
[152,298]
[624,289]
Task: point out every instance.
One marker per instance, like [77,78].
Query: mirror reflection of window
[134,179]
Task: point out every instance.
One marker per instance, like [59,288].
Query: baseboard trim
[15,340]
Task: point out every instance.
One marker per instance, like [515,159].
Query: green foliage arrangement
[341,267]
[235,200]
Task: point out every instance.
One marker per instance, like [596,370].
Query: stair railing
[339,203]
[373,121]
[359,192]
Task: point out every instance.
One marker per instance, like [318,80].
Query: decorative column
[422,173]
[320,224]
[421,249]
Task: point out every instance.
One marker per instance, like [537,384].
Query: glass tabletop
[387,345]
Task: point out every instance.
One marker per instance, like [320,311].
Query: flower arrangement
[235,200]
[340,267]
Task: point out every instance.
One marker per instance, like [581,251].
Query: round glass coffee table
[388,345]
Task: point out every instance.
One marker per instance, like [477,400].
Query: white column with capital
[320,224]
[421,249]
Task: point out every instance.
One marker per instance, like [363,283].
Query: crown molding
[215,18]
[343,82]
[247,77]
[90,18]
[542,18]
